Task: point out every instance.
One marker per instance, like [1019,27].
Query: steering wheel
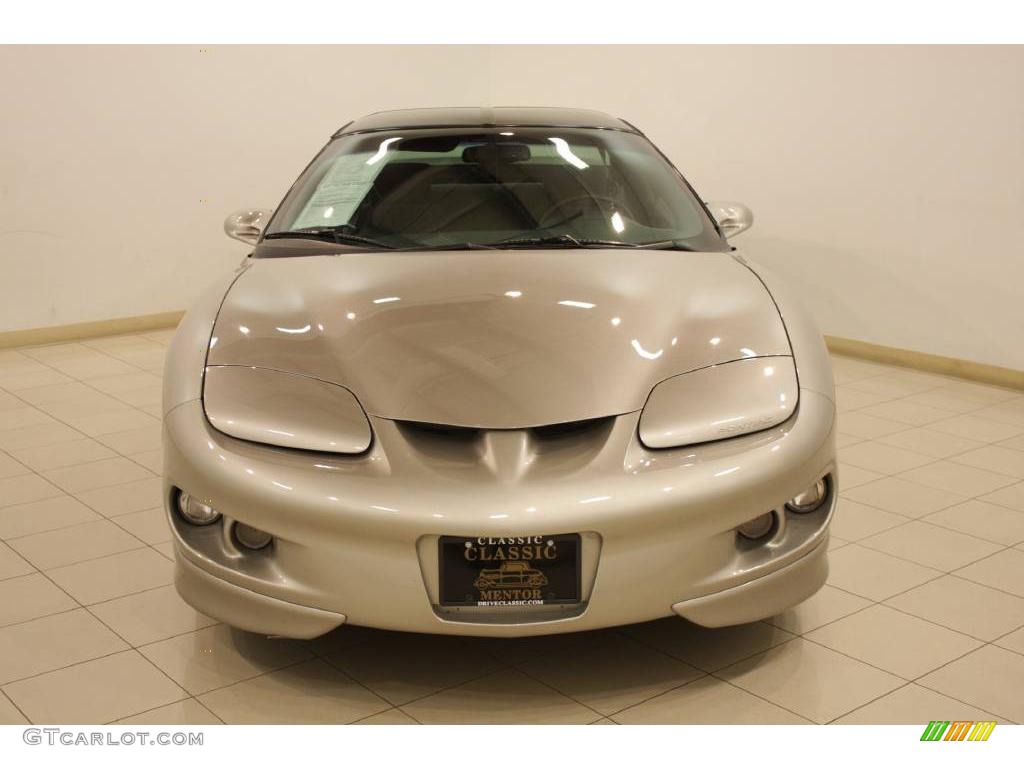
[593,200]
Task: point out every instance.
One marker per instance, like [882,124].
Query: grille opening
[468,449]
[570,428]
[468,434]
[440,430]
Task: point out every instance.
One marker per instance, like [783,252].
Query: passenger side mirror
[732,218]
[247,225]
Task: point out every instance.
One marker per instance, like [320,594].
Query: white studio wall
[887,182]
[119,163]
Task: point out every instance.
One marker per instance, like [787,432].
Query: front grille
[571,428]
[541,434]
[507,452]
[439,430]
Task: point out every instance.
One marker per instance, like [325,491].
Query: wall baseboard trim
[982,373]
[904,358]
[64,333]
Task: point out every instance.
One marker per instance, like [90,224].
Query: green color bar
[934,730]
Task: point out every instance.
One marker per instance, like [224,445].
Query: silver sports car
[496,372]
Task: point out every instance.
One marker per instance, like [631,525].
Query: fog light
[809,500]
[195,511]
[758,527]
[252,538]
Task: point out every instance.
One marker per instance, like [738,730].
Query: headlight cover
[719,402]
[288,410]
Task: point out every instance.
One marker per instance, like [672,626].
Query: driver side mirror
[247,225]
[732,218]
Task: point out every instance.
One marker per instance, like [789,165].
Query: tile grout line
[115,721]
[18,709]
[940,575]
[920,519]
[85,382]
[994,640]
[9,539]
[937,624]
[80,607]
[929,425]
[924,519]
[550,687]
[91,437]
[190,697]
[934,460]
[142,545]
[409,715]
[918,680]
[261,673]
[705,674]
[862,543]
[62,667]
[139,653]
[76,607]
[264,673]
[715,675]
[899,371]
[131,646]
[86,464]
[617,631]
[101,516]
[501,667]
[318,657]
[362,720]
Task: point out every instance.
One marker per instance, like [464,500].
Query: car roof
[457,117]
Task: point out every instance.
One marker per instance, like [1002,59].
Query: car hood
[497,339]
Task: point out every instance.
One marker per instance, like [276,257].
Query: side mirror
[247,225]
[732,218]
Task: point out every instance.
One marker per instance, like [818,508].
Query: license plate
[510,570]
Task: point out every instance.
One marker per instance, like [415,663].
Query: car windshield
[500,187]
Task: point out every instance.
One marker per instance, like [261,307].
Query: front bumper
[356,537]
[245,609]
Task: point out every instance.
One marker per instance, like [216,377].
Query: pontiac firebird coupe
[473,337]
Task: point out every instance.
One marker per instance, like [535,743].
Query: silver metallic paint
[284,409]
[497,339]
[185,363]
[248,224]
[719,402]
[357,536]
[733,218]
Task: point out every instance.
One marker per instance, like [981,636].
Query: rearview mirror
[732,218]
[247,225]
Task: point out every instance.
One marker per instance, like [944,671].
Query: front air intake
[541,433]
[507,452]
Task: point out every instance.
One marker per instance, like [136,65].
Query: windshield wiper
[450,247]
[342,237]
[334,234]
[583,242]
[665,245]
[566,239]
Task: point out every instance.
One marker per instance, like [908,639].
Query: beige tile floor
[922,618]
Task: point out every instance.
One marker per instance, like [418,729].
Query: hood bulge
[497,339]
